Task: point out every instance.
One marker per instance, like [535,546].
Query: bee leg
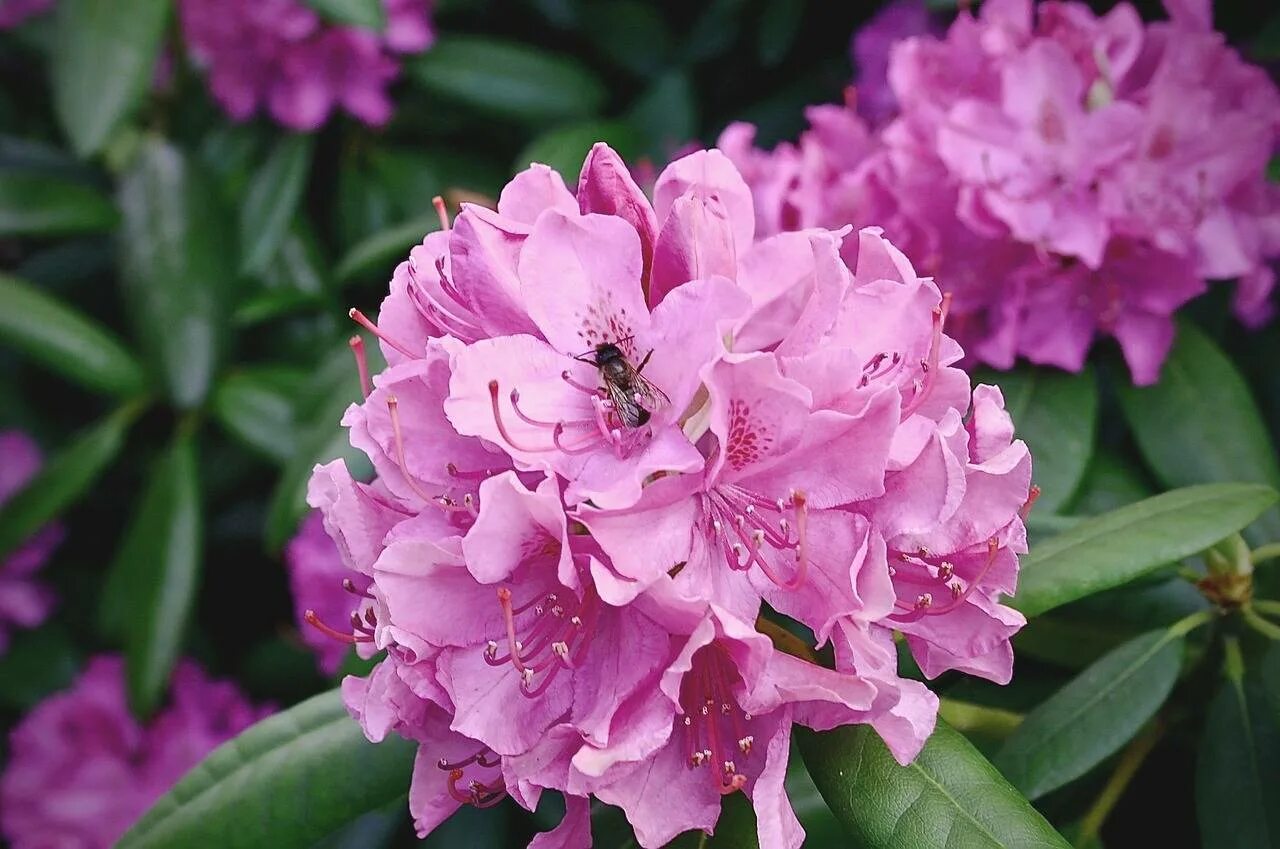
[644,362]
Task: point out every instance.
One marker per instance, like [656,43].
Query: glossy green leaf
[177,269]
[287,782]
[379,254]
[62,480]
[1111,481]
[272,201]
[40,205]
[1095,714]
[1200,424]
[948,796]
[58,336]
[564,148]
[1238,769]
[370,14]
[104,58]
[256,406]
[1115,548]
[1056,414]
[153,580]
[666,115]
[509,79]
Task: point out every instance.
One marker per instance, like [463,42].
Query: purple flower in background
[15,12]
[316,575]
[870,49]
[279,55]
[82,769]
[23,602]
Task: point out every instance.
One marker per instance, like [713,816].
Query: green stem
[1187,624]
[1264,553]
[969,718]
[1130,760]
[1265,627]
[1266,605]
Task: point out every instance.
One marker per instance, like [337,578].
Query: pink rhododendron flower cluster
[24,602]
[81,769]
[15,12]
[280,55]
[612,432]
[1063,174]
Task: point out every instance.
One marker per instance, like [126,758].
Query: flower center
[742,524]
[603,427]
[924,568]
[544,635]
[480,794]
[715,727]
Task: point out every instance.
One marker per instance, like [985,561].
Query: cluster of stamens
[480,794]
[714,724]
[544,635]
[602,427]
[742,524]
[363,627]
[942,573]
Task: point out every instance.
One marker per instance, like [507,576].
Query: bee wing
[624,403]
[649,396]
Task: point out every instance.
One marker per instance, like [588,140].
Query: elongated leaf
[370,14]
[287,782]
[176,269]
[1238,769]
[272,202]
[949,796]
[1117,547]
[64,479]
[48,330]
[1056,414]
[1092,716]
[380,253]
[509,79]
[256,406]
[104,55]
[153,580]
[40,205]
[1200,423]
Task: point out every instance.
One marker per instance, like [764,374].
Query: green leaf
[287,782]
[1095,714]
[272,202]
[779,23]
[1200,423]
[35,664]
[76,347]
[381,252]
[152,582]
[1238,769]
[949,796]
[256,407]
[564,148]
[666,114]
[509,79]
[66,477]
[104,56]
[1117,547]
[1056,414]
[629,33]
[1111,481]
[40,205]
[176,269]
[369,14]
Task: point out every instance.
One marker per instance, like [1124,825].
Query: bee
[634,397]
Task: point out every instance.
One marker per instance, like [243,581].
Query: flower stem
[1264,553]
[1130,761]
[1265,627]
[981,720]
[1266,605]
[1187,624]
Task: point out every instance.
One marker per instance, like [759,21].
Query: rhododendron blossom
[1062,174]
[82,768]
[24,602]
[609,433]
[279,55]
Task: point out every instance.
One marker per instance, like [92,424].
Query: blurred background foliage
[178,344]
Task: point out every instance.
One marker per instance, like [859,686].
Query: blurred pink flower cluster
[81,769]
[24,603]
[279,55]
[15,12]
[610,433]
[1064,175]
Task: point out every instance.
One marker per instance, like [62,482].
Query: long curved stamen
[442,211]
[584,448]
[502,425]
[362,364]
[314,621]
[350,586]
[930,366]
[568,378]
[363,320]
[1032,496]
[508,617]
[393,410]
[924,602]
